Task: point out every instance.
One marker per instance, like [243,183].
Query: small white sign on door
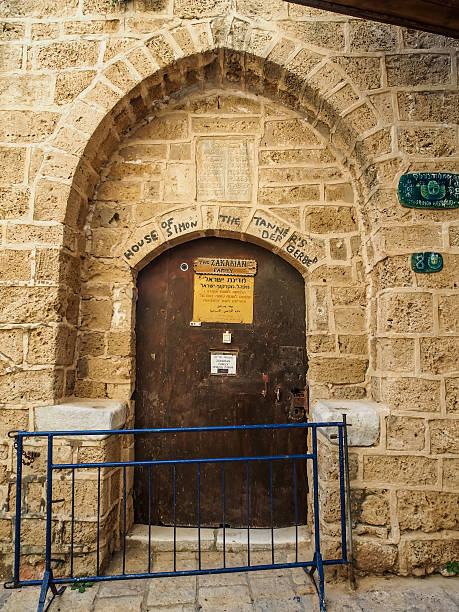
[223,363]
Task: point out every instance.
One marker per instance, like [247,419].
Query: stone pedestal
[370,506]
[82,414]
[362,416]
[97,493]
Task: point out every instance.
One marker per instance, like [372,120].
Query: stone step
[162,538]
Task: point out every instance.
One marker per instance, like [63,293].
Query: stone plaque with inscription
[223,170]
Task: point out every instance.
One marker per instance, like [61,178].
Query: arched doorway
[190,374]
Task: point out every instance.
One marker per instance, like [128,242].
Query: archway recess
[223,162]
[158,70]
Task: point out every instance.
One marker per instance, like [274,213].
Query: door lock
[296,410]
[296,413]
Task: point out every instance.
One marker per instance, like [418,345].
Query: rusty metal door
[175,388]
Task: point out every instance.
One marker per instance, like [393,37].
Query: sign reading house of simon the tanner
[223,290]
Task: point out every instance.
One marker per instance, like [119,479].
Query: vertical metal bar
[17,527]
[348,506]
[342,494]
[175,517]
[316,490]
[72,525]
[199,516]
[44,591]
[149,519]
[271,509]
[296,510]
[98,523]
[248,510]
[49,501]
[124,519]
[224,514]
[317,553]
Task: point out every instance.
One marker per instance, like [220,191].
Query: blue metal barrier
[316,564]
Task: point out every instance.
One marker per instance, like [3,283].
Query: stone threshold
[162,538]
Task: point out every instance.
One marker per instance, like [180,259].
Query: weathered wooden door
[175,388]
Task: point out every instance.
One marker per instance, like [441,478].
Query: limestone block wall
[333,110]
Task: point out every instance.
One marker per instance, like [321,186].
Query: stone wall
[332,110]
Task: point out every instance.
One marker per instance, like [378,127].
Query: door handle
[278,394]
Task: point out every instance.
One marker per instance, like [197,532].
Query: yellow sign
[225,266]
[223,299]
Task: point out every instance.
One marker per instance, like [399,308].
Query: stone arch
[242,54]
[295,230]
[307,258]
[265,221]
[235,53]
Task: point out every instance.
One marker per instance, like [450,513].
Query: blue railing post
[17,530]
[199,515]
[317,553]
[49,506]
[175,516]
[224,513]
[98,524]
[342,493]
[49,501]
[47,582]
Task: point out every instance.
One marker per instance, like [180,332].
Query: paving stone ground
[264,591]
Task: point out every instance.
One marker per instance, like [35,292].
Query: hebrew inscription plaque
[223,299]
[223,170]
[433,190]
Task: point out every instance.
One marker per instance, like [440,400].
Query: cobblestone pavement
[284,590]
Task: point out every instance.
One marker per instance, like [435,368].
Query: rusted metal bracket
[28,457]
[264,392]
